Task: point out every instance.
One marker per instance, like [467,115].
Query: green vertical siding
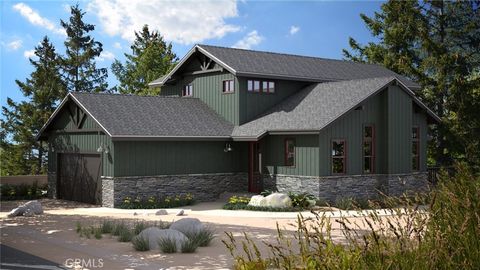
[208,88]
[399,131]
[176,157]
[350,128]
[251,104]
[420,120]
[306,155]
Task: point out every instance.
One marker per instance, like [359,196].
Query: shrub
[97,233]
[301,200]
[125,235]
[445,237]
[78,226]
[345,203]
[267,192]
[153,202]
[139,227]
[202,238]
[140,243]
[189,246]
[167,245]
[238,200]
[239,206]
[107,226]
[22,191]
[118,228]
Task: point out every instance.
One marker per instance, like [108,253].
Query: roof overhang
[169,138]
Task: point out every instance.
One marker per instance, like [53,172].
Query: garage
[79,177]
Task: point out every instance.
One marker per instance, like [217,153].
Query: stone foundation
[332,188]
[204,187]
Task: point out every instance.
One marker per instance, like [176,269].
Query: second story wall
[208,88]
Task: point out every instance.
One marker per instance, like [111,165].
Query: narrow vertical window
[368,149]
[415,149]
[256,86]
[187,90]
[271,87]
[339,155]
[289,152]
[250,85]
[228,86]
[265,87]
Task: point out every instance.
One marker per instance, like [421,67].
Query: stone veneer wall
[204,187]
[332,188]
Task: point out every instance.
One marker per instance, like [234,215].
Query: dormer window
[268,87]
[228,86]
[187,90]
[260,86]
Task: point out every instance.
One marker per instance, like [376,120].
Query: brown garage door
[79,178]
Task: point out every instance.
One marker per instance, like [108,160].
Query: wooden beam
[203,71]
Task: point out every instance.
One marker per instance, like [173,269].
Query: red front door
[254,167]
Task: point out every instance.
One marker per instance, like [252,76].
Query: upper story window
[289,152]
[260,86]
[368,149]
[339,156]
[228,86]
[415,148]
[187,90]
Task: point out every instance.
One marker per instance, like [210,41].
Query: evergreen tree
[436,43]
[21,154]
[151,58]
[80,71]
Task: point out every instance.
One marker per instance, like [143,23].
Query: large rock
[30,208]
[278,200]
[187,225]
[161,212]
[154,234]
[258,201]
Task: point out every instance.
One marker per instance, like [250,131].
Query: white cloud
[248,41]
[29,53]
[13,45]
[106,55]
[117,45]
[184,22]
[294,29]
[34,18]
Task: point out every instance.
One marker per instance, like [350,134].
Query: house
[240,120]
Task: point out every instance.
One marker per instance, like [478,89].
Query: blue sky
[315,28]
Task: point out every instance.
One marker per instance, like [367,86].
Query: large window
[268,87]
[187,90]
[264,86]
[253,86]
[228,86]
[415,148]
[368,149]
[339,156]
[289,152]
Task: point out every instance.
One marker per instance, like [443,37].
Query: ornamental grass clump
[445,235]
[202,237]
[167,245]
[140,243]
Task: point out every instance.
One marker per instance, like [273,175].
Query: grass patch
[189,246]
[202,238]
[125,235]
[118,228]
[139,227]
[107,226]
[167,245]
[140,243]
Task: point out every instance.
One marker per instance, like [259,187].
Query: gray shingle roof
[312,108]
[154,116]
[296,66]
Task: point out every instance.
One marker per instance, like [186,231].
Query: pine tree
[80,71]
[21,154]
[436,43]
[151,58]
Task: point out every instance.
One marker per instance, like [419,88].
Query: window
[415,149]
[368,149]
[289,152]
[338,156]
[253,86]
[187,90]
[268,87]
[228,86]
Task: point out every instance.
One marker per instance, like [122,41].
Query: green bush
[107,226]
[301,200]
[189,246]
[22,191]
[445,236]
[139,227]
[118,228]
[240,206]
[167,245]
[157,202]
[202,238]
[125,235]
[140,243]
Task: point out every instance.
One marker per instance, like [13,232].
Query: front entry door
[254,167]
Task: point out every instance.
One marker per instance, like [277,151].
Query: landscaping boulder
[181,213]
[31,208]
[258,201]
[278,200]
[161,212]
[153,234]
[187,225]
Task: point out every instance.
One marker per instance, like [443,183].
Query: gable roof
[150,117]
[316,106]
[251,63]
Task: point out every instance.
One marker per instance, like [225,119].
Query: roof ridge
[290,54]
[129,95]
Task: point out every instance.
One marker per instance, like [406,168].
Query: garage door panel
[79,177]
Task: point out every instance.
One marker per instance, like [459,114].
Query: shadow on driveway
[15,259]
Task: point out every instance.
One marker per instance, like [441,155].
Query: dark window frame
[344,157]
[286,152]
[227,83]
[268,90]
[184,90]
[371,140]
[417,156]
